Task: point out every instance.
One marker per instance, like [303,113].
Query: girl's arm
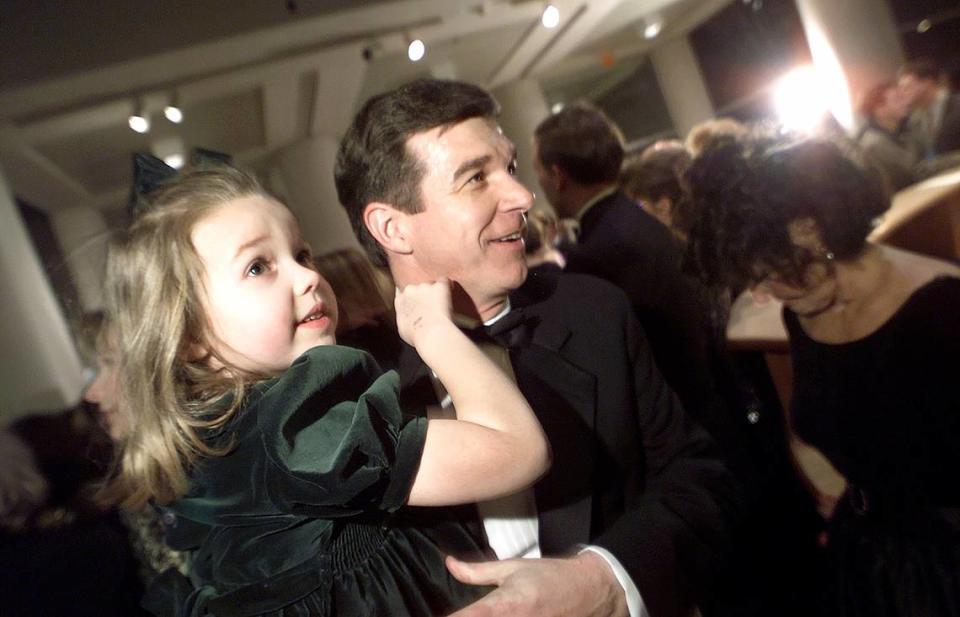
[495,446]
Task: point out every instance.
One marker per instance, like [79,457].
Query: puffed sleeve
[334,437]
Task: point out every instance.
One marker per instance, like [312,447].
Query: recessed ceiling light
[416,50]
[550,17]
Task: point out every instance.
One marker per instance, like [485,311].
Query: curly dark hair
[373,162]
[747,193]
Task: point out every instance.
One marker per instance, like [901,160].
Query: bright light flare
[550,17]
[800,99]
[652,29]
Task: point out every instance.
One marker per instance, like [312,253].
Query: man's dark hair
[374,163]
[922,69]
[583,142]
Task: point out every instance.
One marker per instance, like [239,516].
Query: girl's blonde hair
[154,295]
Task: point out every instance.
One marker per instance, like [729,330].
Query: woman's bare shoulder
[920,269]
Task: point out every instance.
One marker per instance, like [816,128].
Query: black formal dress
[631,472]
[885,409]
[304,515]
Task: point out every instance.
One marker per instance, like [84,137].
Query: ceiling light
[138,120]
[653,28]
[172,111]
[416,50]
[556,108]
[924,25]
[550,17]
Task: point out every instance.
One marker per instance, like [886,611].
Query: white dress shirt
[512,526]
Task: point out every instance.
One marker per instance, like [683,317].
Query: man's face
[470,229]
[917,92]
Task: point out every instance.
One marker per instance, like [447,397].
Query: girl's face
[265,303]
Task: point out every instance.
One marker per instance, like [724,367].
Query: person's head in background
[782,215]
[541,239]
[708,133]
[920,81]
[364,295]
[104,391]
[578,153]
[885,105]
[653,180]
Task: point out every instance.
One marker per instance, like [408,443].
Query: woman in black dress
[875,340]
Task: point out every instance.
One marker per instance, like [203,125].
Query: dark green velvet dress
[304,516]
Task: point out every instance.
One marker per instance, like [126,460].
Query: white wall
[40,368]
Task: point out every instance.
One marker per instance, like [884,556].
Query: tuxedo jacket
[623,244]
[631,473]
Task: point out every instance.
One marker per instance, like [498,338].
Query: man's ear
[559,177]
[388,226]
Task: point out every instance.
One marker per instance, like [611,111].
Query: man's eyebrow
[246,245]
[475,163]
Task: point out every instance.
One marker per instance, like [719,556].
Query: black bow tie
[515,329]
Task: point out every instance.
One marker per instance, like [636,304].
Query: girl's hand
[422,308]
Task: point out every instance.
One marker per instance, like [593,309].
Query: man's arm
[677,535]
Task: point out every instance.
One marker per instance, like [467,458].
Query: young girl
[283,460]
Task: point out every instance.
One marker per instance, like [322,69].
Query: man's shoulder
[573,295]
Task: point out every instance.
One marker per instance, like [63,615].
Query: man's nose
[517,196]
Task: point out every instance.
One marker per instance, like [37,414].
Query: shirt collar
[603,194]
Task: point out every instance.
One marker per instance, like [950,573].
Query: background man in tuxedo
[935,117]
[427,179]
[579,152]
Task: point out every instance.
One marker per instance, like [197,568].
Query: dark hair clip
[151,172]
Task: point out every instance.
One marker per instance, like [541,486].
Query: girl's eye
[512,168]
[256,268]
[305,258]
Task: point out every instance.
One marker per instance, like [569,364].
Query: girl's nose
[306,279]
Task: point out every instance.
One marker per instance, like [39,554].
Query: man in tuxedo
[635,512]
[935,111]
[578,156]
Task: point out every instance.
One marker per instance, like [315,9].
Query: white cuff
[635,605]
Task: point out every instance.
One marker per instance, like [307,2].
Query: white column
[681,84]
[859,34]
[304,176]
[40,368]
[83,236]
[523,107]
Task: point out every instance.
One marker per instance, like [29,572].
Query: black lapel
[563,397]
[416,387]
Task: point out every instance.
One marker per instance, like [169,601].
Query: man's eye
[512,168]
[478,177]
